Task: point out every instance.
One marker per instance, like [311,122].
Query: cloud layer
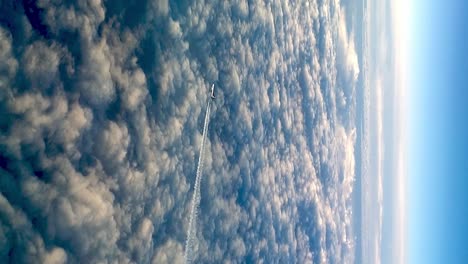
[101,114]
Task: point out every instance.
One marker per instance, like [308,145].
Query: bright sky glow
[400,10]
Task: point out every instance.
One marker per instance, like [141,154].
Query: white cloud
[9,64]
[40,63]
[346,49]
[107,141]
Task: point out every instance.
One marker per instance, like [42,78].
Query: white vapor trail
[190,244]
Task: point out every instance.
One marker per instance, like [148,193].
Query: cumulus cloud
[347,50]
[102,109]
[9,64]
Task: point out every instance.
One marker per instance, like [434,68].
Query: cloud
[102,126]
[9,64]
[346,49]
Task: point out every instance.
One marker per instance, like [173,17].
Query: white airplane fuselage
[212,92]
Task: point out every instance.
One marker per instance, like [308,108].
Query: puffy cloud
[102,127]
[9,64]
[347,50]
[40,63]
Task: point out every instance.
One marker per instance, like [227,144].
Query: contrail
[190,244]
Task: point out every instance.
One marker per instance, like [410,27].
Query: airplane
[212,92]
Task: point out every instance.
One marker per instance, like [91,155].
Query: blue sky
[425,157]
[437,139]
